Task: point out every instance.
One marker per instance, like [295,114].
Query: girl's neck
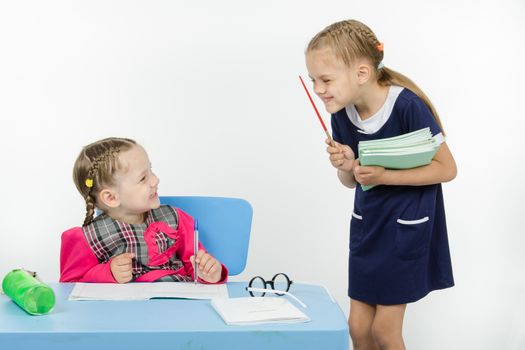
[132,219]
[371,100]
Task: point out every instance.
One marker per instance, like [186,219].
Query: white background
[211,90]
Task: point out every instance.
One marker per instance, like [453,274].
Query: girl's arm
[441,169]
[347,178]
[78,263]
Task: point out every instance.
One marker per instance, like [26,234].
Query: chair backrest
[224,226]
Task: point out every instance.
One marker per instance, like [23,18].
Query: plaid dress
[153,242]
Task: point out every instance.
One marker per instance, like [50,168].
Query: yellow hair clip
[89,182]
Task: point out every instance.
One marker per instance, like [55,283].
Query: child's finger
[124,258]
[207,262]
[203,260]
[123,267]
[210,268]
[208,265]
[347,151]
[366,170]
[332,150]
[336,157]
[122,261]
[200,254]
[125,276]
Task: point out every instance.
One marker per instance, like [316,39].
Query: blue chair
[224,226]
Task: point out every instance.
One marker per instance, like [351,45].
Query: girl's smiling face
[135,192]
[334,82]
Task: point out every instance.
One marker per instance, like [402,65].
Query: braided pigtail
[90,210]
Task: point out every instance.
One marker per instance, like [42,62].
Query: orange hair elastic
[380,47]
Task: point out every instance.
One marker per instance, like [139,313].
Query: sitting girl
[135,238]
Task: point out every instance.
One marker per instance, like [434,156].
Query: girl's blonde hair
[351,40]
[95,168]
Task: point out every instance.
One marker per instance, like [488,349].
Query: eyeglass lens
[281,282]
[257,282]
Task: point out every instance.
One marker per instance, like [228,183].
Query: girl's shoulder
[409,105]
[406,97]
[412,113]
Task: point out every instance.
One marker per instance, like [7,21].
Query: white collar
[378,119]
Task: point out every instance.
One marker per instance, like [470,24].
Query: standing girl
[135,238]
[398,238]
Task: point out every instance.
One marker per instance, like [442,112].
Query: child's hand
[121,267]
[341,156]
[210,269]
[368,175]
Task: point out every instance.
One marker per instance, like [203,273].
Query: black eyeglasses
[280,284]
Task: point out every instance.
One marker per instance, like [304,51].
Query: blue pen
[195,250]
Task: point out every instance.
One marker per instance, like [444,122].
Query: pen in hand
[195,250]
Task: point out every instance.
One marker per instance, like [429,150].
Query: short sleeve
[417,116]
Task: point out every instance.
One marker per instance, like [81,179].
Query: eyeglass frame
[271,283]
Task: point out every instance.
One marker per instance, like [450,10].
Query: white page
[144,291]
[108,291]
[188,290]
[258,310]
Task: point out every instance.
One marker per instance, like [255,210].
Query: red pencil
[316,111]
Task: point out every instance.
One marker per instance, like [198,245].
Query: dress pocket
[356,231]
[412,237]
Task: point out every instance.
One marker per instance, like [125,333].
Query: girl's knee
[359,331]
[385,334]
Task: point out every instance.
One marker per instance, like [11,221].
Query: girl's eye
[143,179]
[326,81]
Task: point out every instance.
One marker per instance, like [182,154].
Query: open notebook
[258,310]
[405,151]
[144,291]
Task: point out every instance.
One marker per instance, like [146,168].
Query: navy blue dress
[398,236]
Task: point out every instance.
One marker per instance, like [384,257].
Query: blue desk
[167,324]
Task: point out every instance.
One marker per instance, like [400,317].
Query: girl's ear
[109,198]
[363,73]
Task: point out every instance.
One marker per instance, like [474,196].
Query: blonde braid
[366,40]
[92,174]
[90,210]
[363,31]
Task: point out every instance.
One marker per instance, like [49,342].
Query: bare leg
[360,323]
[387,327]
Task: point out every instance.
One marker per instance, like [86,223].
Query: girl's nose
[319,88]
[155,180]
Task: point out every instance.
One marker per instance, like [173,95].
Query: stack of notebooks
[405,151]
